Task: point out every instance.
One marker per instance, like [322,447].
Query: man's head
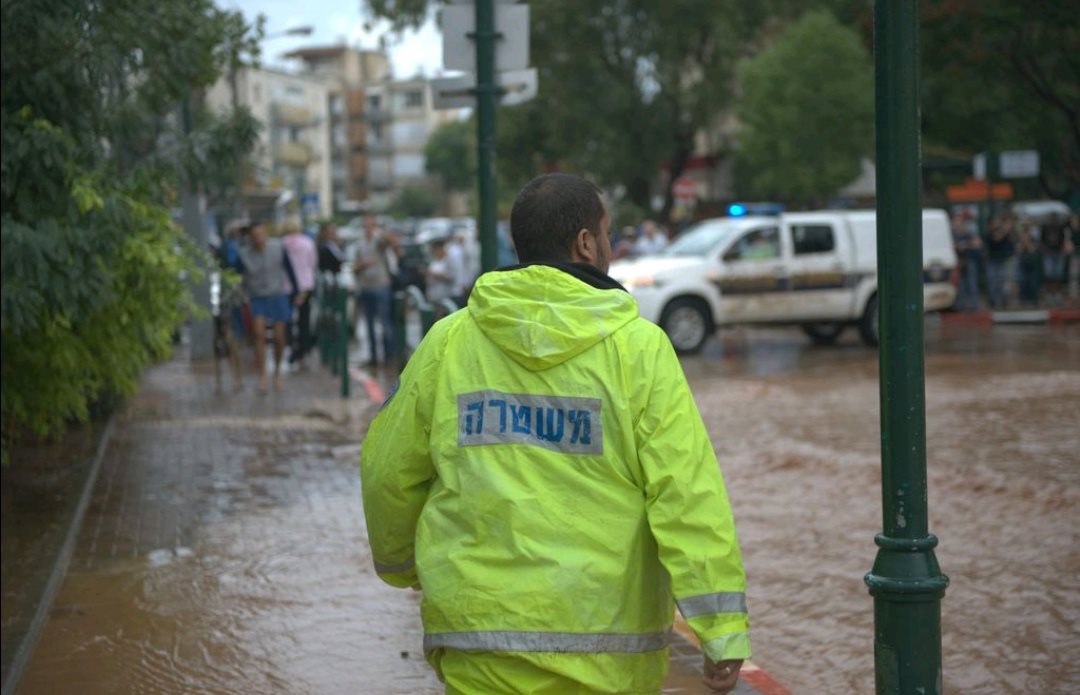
[561,217]
[257,234]
[370,225]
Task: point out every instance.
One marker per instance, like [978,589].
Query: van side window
[812,238]
[757,244]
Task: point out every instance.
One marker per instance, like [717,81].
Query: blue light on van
[736,210]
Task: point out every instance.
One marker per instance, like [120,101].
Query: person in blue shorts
[268,282]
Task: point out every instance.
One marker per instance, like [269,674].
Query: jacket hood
[544,315]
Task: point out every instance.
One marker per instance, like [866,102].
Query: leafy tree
[1004,75]
[625,85]
[451,153]
[414,201]
[806,111]
[92,157]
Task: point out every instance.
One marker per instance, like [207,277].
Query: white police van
[817,270]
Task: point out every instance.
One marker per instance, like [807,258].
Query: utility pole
[202,331]
[486,96]
[906,582]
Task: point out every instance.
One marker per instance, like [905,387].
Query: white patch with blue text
[569,424]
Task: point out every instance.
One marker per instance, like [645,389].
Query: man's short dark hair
[549,212]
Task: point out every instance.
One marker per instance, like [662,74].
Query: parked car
[813,269]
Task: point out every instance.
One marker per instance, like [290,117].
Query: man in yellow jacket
[542,474]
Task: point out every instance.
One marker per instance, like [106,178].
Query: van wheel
[868,326]
[687,324]
[823,332]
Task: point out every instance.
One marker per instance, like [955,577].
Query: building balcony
[379,180]
[292,115]
[294,154]
[379,146]
[377,115]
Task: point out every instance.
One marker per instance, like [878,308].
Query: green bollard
[343,324]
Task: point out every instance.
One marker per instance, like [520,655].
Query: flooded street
[236,562]
[796,429]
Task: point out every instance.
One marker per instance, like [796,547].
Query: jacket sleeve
[688,511]
[396,470]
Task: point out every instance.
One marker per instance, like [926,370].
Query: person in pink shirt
[304,257]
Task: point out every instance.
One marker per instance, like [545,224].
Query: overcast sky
[337,20]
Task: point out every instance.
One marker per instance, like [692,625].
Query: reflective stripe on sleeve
[520,641]
[390,569]
[720,602]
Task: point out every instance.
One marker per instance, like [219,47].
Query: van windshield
[702,238]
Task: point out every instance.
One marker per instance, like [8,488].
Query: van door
[753,277]
[821,287]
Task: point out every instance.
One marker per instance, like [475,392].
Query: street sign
[1011,164]
[684,188]
[458,92]
[1018,164]
[511,49]
[974,191]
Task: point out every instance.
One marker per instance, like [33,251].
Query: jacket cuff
[735,645]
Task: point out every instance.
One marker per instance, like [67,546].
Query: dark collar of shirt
[588,274]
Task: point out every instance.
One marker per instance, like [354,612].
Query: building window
[374,102]
[412,99]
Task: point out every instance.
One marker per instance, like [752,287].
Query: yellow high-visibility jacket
[542,472]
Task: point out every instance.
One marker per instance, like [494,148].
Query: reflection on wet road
[796,428]
[236,562]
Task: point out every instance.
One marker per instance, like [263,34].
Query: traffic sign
[459,92]
[511,49]
[684,188]
[1017,164]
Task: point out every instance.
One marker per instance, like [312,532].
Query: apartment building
[400,116]
[293,151]
[348,72]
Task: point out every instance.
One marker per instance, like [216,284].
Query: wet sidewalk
[223,550]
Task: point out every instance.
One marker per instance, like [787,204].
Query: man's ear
[585,246]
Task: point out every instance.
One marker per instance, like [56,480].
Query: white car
[813,269]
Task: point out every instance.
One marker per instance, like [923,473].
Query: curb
[752,674]
[375,392]
[59,569]
[1050,316]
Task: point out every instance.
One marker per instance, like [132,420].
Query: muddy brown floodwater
[224,549]
[796,430]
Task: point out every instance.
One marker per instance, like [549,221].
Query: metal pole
[343,323]
[202,329]
[486,93]
[906,582]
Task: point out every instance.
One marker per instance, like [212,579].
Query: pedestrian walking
[542,474]
[1053,239]
[304,259]
[331,253]
[373,278]
[651,241]
[999,251]
[268,275]
[1074,256]
[969,252]
[440,276]
[1029,262]
[229,328]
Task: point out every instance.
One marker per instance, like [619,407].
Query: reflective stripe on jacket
[543,461]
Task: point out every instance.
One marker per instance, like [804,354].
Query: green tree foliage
[806,111]
[1004,75]
[414,201]
[451,153]
[92,156]
[625,85]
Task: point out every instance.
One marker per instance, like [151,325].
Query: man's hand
[721,676]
